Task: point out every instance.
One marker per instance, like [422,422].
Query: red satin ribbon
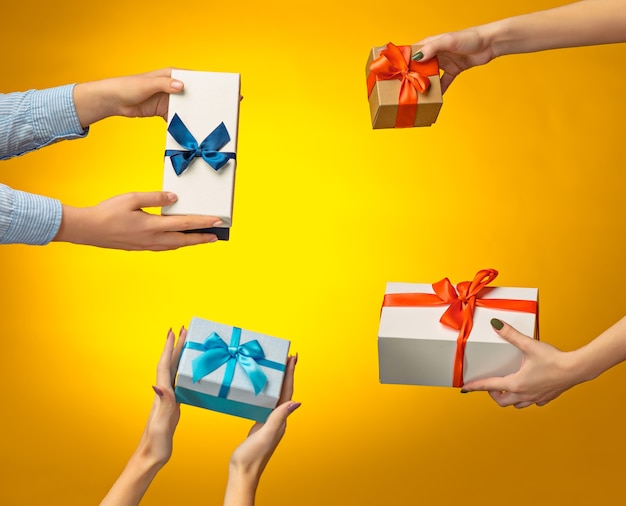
[395,62]
[460,312]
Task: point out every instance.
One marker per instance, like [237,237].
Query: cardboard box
[384,88]
[415,348]
[211,377]
[208,100]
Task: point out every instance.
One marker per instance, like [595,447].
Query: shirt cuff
[26,218]
[54,115]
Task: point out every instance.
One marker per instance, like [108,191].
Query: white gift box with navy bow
[231,370]
[201,145]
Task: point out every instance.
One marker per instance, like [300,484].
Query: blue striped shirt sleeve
[36,118]
[26,218]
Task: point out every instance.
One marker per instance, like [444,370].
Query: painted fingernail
[496,324]
[177,85]
[172,197]
[464,391]
[293,406]
[157,391]
[417,56]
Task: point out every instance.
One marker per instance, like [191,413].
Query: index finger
[287,389]
[487,384]
[180,344]
[188,222]
[163,367]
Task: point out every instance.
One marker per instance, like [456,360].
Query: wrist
[241,487]
[580,366]
[93,102]
[73,226]
[499,37]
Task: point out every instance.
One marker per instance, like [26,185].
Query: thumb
[163,84]
[139,200]
[279,416]
[509,334]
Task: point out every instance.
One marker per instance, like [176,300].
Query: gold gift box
[384,97]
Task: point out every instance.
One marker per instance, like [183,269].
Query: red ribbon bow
[460,312]
[395,62]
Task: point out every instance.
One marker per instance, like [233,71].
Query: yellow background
[523,172]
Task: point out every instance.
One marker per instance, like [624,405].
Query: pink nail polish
[157,391]
[293,406]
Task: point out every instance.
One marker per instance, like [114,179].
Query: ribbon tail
[407,105]
[217,159]
[178,160]
[253,371]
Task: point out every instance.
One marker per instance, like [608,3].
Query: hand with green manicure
[547,372]
[582,23]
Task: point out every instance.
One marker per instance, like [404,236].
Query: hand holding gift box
[201,144]
[439,335]
[402,92]
[231,370]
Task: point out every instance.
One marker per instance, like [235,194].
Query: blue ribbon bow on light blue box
[239,378]
[208,149]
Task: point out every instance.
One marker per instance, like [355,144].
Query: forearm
[604,352]
[582,23]
[132,484]
[241,488]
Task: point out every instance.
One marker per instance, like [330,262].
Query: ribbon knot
[394,63]
[460,312]
[217,352]
[208,149]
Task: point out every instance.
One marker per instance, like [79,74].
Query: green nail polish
[496,324]
[417,56]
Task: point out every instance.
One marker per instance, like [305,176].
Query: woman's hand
[250,458]
[136,96]
[155,446]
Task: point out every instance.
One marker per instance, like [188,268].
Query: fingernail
[177,85]
[158,391]
[496,324]
[293,406]
[172,197]
[170,333]
[417,56]
[463,391]
[182,329]
[218,223]
[296,360]
[213,238]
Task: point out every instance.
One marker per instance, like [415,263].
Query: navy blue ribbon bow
[208,149]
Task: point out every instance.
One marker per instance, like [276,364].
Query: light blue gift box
[231,370]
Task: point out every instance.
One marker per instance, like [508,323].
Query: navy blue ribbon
[216,353]
[208,149]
